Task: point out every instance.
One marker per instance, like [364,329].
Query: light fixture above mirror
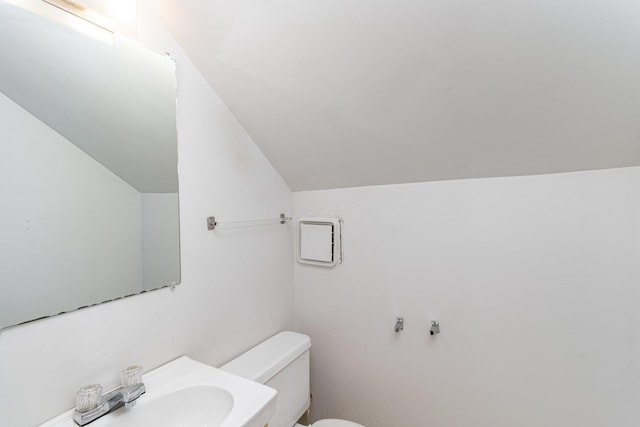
[119,16]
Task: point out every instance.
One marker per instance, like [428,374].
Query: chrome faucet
[91,404]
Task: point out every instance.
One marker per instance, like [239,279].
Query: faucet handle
[131,375]
[89,397]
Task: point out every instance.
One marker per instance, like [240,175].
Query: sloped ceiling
[341,93]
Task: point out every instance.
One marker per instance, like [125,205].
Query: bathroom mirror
[88,167]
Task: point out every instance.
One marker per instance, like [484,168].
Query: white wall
[160,240]
[51,207]
[535,283]
[237,287]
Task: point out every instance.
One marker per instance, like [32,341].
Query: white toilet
[282,363]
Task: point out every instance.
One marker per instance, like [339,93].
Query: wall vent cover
[319,241]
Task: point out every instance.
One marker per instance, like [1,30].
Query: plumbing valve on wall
[399,324]
[435,327]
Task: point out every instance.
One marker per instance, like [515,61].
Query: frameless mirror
[88,168]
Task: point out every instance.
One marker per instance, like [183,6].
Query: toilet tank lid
[268,358]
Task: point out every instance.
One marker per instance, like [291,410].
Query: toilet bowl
[282,363]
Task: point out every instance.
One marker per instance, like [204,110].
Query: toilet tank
[281,362]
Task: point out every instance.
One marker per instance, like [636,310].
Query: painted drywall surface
[237,286]
[160,240]
[434,90]
[535,283]
[45,206]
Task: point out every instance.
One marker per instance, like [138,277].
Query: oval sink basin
[202,406]
[186,393]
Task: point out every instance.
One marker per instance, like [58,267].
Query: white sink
[186,393]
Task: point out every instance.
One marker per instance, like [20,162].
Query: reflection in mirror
[88,168]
